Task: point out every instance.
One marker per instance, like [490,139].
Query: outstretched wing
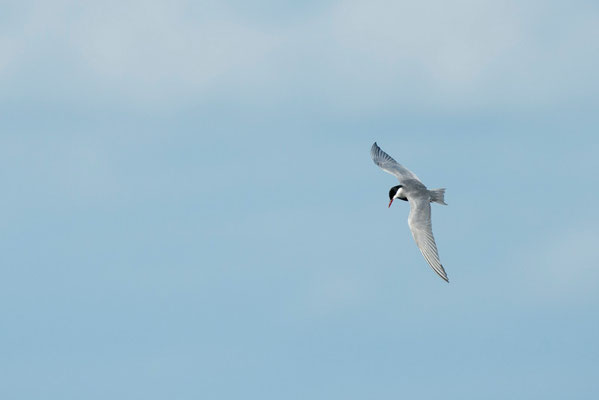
[388,164]
[422,230]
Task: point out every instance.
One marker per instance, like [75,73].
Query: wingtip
[375,150]
[445,278]
[443,275]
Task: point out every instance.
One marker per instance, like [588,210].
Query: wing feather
[388,164]
[422,231]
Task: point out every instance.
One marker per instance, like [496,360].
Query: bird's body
[419,197]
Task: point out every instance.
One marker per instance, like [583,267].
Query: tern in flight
[420,199]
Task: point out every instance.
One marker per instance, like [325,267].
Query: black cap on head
[393,191]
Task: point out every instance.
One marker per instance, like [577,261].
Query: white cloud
[59,170]
[349,55]
[155,44]
[562,269]
[466,53]
[8,48]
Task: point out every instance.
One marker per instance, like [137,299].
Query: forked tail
[438,196]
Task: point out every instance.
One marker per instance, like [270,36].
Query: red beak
[390,203]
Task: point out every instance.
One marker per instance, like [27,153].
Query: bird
[412,190]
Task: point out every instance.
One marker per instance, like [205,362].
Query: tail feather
[438,196]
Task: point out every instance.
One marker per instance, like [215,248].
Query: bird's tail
[438,196]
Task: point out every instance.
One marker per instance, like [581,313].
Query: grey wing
[388,164]
[422,230]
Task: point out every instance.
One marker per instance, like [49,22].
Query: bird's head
[396,192]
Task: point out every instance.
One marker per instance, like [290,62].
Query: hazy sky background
[189,209]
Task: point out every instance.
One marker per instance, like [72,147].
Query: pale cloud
[449,45]
[156,46]
[347,56]
[562,268]
[466,53]
[8,48]
[57,169]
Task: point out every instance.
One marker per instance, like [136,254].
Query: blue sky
[190,211]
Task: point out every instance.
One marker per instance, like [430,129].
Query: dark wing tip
[375,153]
[444,275]
[374,148]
